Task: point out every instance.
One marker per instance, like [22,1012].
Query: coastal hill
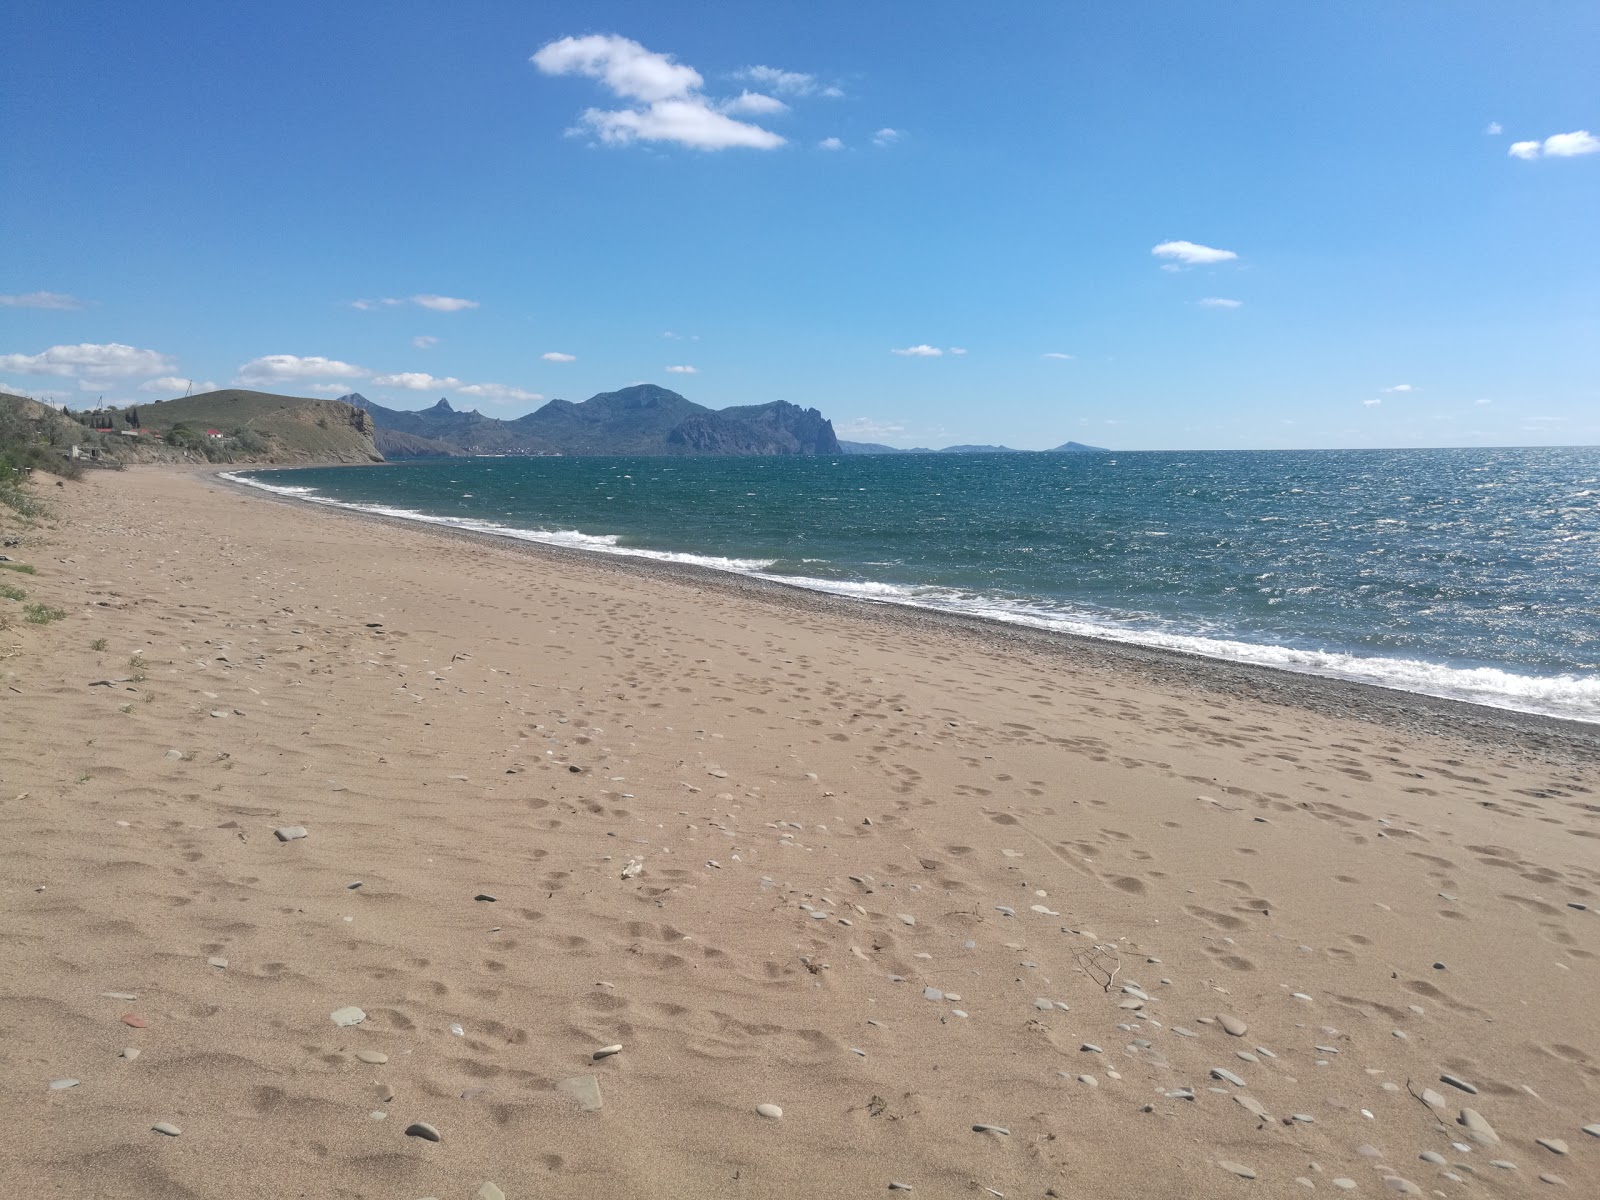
[643,419]
[877,448]
[231,425]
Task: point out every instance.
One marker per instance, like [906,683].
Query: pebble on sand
[490,1191]
[1001,1129]
[1225,1074]
[1554,1145]
[1239,1169]
[607,1051]
[220,963]
[375,1057]
[58,1085]
[421,1129]
[1459,1083]
[166,1127]
[585,1089]
[1404,1186]
[1478,1129]
[130,1053]
[135,1021]
[1233,1025]
[771,1111]
[289,833]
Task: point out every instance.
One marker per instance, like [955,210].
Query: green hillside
[260,426]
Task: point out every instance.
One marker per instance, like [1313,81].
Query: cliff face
[776,428]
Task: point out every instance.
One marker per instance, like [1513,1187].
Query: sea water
[1467,574]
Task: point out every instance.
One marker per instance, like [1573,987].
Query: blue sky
[414,200]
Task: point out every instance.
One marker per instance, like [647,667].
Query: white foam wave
[1572,697]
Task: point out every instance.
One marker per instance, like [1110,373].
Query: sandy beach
[983,912]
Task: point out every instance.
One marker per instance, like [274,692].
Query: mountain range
[643,419]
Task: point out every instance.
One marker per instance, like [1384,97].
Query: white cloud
[444,303]
[90,362]
[557,357]
[1570,145]
[683,370]
[498,393]
[1219,302]
[1056,354]
[171,383]
[1192,253]
[922,351]
[886,137]
[670,105]
[1485,400]
[327,389]
[1493,129]
[830,143]
[1558,145]
[416,381]
[56,300]
[754,104]
[369,305]
[1371,403]
[1400,387]
[424,341]
[276,368]
[958,350]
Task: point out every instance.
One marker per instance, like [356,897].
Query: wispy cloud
[499,393]
[869,427]
[886,136]
[1192,253]
[1219,302]
[426,300]
[424,341]
[1371,403]
[279,368]
[89,362]
[958,351]
[922,351]
[668,103]
[555,356]
[683,369]
[1493,129]
[1056,354]
[171,383]
[830,143]
[785,83]
[754,104]
[447,304]
[56,300]
[417,381]
[1400,387]
[1558,145]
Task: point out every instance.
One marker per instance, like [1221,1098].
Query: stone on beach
[585,1089]
[1478,1129]
[290,833]
[374,1057]
[606,1051]
[1554,1145]
[166,1127]
[1234,1168]
[57,1085]
[1232,1025]
[771,1111]
[421,1129]
[350,1015]
[1459,1083]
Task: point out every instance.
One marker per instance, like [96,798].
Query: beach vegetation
[98,644]
[42,614]
[20,568]
[12,593]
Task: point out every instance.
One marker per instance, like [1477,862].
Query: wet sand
[889,870]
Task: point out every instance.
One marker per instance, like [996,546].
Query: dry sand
[894,875]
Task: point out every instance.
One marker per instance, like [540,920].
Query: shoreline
[1564,739]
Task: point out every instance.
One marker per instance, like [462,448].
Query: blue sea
[1467,574]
